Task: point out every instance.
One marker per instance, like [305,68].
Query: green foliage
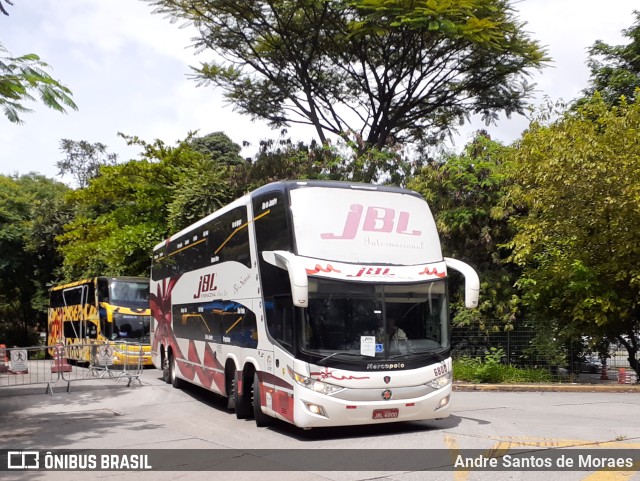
[385,73]
[128,208]
[22,76]
[466,193]
[202,190]
[579,180]
[83,160]
[491,370]
[282,159]
[216,147]
[32,213]
[615,69]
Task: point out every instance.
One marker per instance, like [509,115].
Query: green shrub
[492,370]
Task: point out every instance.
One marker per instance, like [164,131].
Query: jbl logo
[205,285]
[376,219]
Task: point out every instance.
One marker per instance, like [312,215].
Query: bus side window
[280,322]
[250,330]
[92,331]
[106,328]
[72,329]
[103,290]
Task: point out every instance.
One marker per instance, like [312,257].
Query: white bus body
[317,303]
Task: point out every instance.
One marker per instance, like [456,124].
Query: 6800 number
[440,370]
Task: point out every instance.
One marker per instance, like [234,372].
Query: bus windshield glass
[132,294]
[375,322]
[131,327]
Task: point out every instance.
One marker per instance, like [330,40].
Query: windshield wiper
[339,353]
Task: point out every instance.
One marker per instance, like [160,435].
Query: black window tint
[271,225]
[103,290]
[280,317]
[228,238]
[225,322]
[56,299]
[223,239]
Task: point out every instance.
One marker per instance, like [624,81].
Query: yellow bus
[95,311]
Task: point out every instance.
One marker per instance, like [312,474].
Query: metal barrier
[26,366]
[131,355]
[101,359]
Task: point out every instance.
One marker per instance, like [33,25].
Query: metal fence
[519,347]
[50,366]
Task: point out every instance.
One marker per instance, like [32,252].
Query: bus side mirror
[471,281]
[297,274]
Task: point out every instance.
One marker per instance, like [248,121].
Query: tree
[22,76]
[217,146]
[466,194]
[205,185]
[32,213]
[130,207]
[579,180]
[375,72]
[2,9]
[83,160]
[615,69]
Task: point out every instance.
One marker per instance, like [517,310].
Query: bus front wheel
[166,368]
[262,419]
[175,380]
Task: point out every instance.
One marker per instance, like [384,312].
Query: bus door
[75,322]
[280,326]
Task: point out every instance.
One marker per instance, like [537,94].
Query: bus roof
[285,186]
[332,184]
[90,280]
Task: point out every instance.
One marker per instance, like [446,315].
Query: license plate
[385,413]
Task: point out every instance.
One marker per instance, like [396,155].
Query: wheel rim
[255,395]
[231,387]
[166,366]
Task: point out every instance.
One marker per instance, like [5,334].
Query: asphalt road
[104,414]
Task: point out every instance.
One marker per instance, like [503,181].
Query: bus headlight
[314,384]
[440,382]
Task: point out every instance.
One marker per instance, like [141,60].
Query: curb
[559,387]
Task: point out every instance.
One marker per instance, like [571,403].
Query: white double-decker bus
[317,303]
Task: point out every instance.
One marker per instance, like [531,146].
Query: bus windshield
[129,327]
[133,294]
[375,322]
[130,300]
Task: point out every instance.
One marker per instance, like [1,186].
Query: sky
[128,69]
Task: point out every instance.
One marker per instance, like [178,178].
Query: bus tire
[230,388]
[166,368]
[262,419]
[175,380]
[243,403]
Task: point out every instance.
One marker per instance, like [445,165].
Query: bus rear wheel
[243,402]
[166,368]
[230,388]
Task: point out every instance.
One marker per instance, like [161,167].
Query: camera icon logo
[23,460]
